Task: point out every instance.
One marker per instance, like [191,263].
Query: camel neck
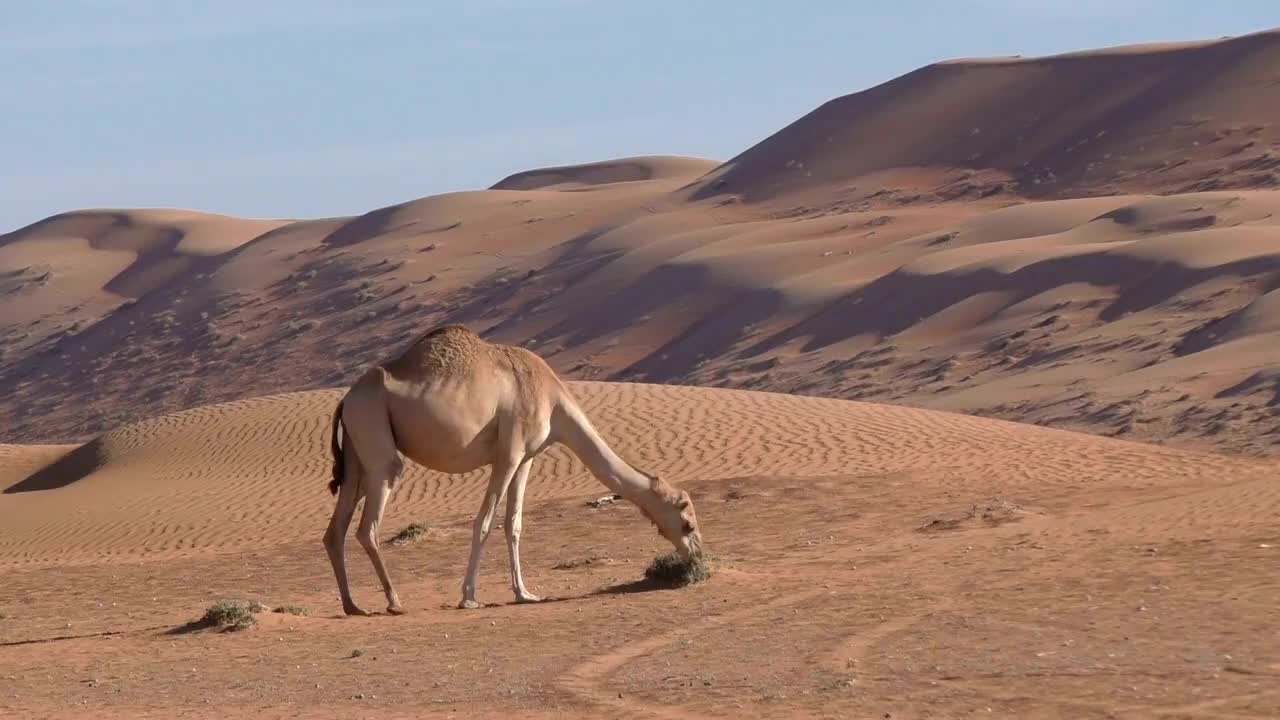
[572,427]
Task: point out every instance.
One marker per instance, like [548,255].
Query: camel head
[675,518]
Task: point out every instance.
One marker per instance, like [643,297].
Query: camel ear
[655,482]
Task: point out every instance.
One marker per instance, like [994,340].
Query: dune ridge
[606,172]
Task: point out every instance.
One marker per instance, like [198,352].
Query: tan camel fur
[454,402]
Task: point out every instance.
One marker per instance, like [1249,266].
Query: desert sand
[974,377]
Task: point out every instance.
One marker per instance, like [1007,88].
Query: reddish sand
[1088,241]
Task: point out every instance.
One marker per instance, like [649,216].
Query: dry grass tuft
[230,614]
[410,532]
[671,569]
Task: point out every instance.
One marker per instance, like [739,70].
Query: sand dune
[975,306]
[70,271]
[164,244]
[250,473]
[1156,118]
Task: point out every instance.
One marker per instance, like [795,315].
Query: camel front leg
[498,481]
[513,524]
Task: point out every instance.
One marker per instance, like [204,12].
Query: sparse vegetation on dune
[411,532]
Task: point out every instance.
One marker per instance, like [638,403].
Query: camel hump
[457,330]
[449,350]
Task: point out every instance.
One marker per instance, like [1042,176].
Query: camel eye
[688,527]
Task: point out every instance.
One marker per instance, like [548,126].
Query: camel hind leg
[375,501]
[368,424]
[335,537]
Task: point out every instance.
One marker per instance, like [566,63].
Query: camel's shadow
[623,588]
[630,587]
[642,585]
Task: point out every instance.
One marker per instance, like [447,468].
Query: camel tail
[335,448]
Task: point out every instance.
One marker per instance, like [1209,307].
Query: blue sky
[304,108]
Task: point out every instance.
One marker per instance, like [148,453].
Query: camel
[454,402]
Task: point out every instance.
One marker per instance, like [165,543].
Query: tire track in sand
[584,680]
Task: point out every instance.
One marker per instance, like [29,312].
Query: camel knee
[513,528]
[331,539]
[484,519]
[368,538]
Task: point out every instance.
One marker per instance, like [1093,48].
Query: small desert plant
[231,614]
[410,532]
[290,610]
[303,325]
[671,569]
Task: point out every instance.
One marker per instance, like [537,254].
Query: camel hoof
[528,598]
[395,610]
[469,605]
[354,611]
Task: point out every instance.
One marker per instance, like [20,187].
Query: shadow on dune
[902,299]
[362,227]
[72,467]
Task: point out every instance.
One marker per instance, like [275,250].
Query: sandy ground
[1088,242]
[870,559]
